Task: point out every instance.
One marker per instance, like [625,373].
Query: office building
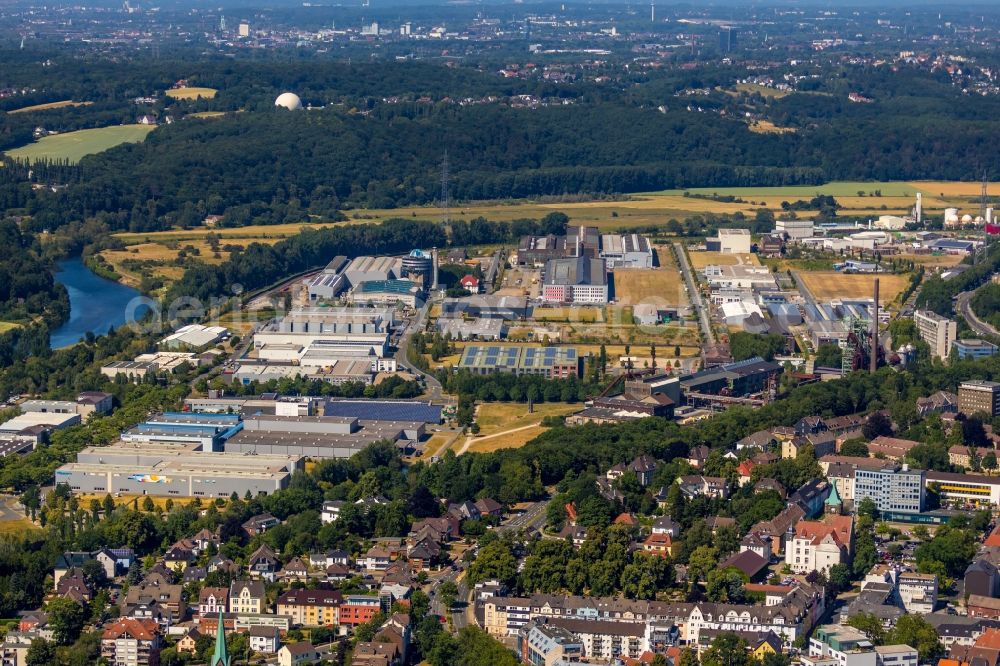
[937,331]
[973,348]
[894,489]
[578,280]
[978,396]
[544,645]
[728,39]
[388,292]
[846,646]
[549,362]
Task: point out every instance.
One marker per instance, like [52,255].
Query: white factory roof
[195,335]
[29,419]
[733,232]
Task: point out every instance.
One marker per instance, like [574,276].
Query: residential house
[376,559]
[331,511]
[213,600]
[260,524]
[222,563]
[660,544]
[751,564]
[666,525]
[770,484]
[982,578]
[188,643]
[941,402]
[265,639]
[757,543]
[247,596]
[294,654]
[744,472]
[177,559]
[295,570]
[263,563]
[708,486]
[151,597]
[698,456]
[312,608]
[357,609]
[891,448]
[762,440]
[129,642]
[489,507]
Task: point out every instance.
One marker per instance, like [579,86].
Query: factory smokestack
[874,342]
[434,269]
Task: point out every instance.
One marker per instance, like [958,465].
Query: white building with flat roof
[937,331]
[730,241]
[794,229]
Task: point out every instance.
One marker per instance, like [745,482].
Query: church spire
[221,655]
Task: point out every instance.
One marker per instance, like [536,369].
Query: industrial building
[206,431]
[472,329]
[626,251]
[369,269]
[26,431]
[365,410]
[549,362]
[579,241]
[178,471]
[363,330]
[794,229]
[194,336]
[487,306]
[893,488]
[577,280]
[326,286]
[978,396]
[729,241]
[320,436]
[740,277]
[388,292]
[383,410]
[937,331]
[737,379]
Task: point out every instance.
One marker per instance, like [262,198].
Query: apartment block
[937,331]
[976,396]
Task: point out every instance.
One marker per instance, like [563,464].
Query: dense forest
[379,133]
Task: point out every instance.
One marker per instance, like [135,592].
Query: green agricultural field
[72,146]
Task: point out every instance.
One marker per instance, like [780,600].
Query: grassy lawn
[826,285]
[509,441]
[207,114]
[701,259]
[72,146]
[837,189]
[767,127]
[19,526]
[763,90]
[191,93]
[256,233]
[495,417]
[51,105]
[662,285]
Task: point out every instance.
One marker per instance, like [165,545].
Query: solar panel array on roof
[384,410]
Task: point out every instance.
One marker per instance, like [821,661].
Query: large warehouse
[320,436]
[365,330]
[178,471]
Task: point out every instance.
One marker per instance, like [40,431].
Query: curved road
[964,306]
[433,386]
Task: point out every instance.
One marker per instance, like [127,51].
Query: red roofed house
[659,543]
[471,283]
[744,469]
[817,546]
[130,642]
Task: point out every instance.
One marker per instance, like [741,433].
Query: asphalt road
[695,295]
[964,306]
[529,521]
[433,386]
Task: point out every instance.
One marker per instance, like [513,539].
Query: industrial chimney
[920,208]
[874,342]
[434,269]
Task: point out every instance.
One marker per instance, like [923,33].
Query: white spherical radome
[289,100]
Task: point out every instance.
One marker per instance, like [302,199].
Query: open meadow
[663,285]
[699,259]
[72,146]
[192,92]
[50,105]
[828,285]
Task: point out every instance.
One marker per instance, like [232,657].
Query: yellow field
[7,325]
[825,285]
[253,233]
[207,114]
[512,440]
[51,105]
[496,417]
[191,93]
[932,260]
[662,285]
[952,188]
[700,259]
[128,500]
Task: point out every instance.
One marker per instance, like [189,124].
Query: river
[95,304]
